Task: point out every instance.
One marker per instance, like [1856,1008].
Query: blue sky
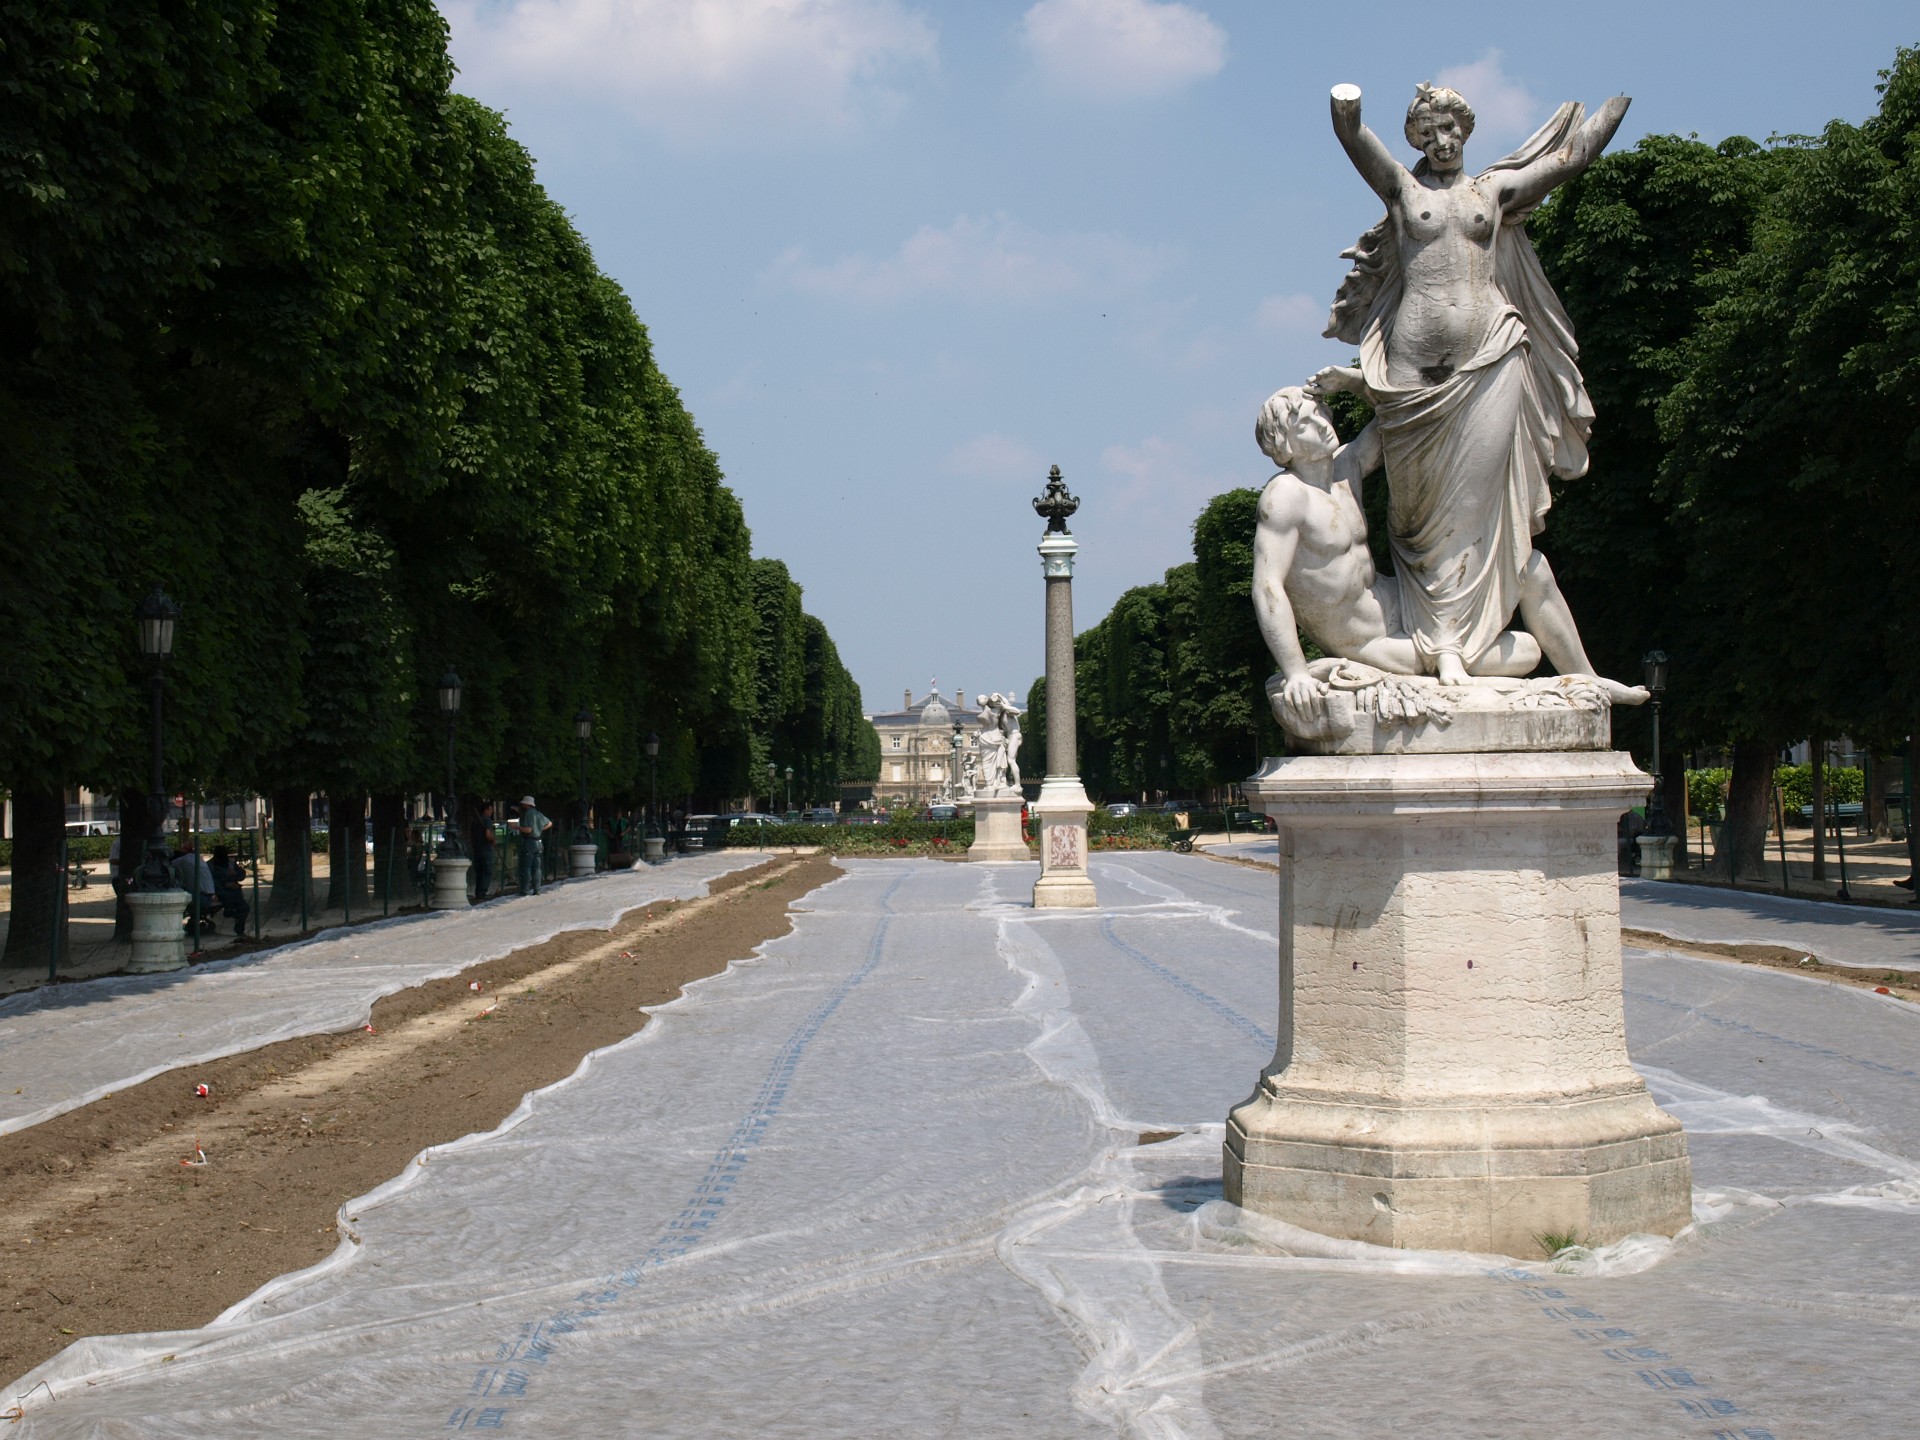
[901,257]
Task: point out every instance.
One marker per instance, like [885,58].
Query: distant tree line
[290,329]
[1749,326]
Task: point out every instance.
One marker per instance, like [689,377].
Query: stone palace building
[916,747]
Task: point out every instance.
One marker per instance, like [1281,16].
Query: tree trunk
[1749,803]
[292,860]
[389,847]
[346,849]
[39,820]
[1876,817]
[1817,753]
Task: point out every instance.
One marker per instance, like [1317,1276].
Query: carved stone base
[996,829]
[1656,856]
[1452,1069]
[450,882]
[582,860]
[158,941]
[1061,815]
[1363,711]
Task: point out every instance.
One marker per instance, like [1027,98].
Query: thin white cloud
[994,456]
[1503,108]
[1122,49]
[1161,483]
[995,258]
[1290,315]
[698,69]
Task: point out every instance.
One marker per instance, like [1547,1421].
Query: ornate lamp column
[1062,809]
[450,862]
[1658,842]
[583,854]
[655,842]
[156,902]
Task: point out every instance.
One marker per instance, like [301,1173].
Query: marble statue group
[1470,365]
[997,768]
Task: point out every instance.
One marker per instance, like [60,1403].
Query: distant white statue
[998,769]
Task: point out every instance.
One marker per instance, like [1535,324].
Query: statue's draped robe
[1467,460]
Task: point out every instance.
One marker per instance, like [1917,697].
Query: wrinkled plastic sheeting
[1860,935]
[63,1046]
[888,1177]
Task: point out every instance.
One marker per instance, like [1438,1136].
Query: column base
[450,882]
[996,830]
[581,860]
[1656,856]
[1061,817]
[1489,1177]
[653,849]
[158,941]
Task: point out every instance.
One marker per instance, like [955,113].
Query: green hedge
[896,837]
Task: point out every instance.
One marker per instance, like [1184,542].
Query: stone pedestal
[996,829]
[1656,856]
[654,849]
[1452,1068]
[581,860]
[1060,816]
[450,882]
[158,941]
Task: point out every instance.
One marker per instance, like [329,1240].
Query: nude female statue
[1470,363]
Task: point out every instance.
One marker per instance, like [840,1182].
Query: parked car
[1121,809]
[942,812]
[695,837]
[1248,820]
[77,828]
[864,817]
[822,815]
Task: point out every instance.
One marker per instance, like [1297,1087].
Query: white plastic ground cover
[63,1046]
[884,1179]
[1837,933]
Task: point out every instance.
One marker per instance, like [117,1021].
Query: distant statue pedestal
[582,860]
[1452,1066]
[653,849]
[450,882]
[158,941]
[996,829]
[1060,815]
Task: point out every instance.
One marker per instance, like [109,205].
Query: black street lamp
[450,845]
[789,789]
[653,783]
[157,616]
[772,771]
[1655,664]
[583,732]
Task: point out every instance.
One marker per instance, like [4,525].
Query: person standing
[532,826]
[480,845]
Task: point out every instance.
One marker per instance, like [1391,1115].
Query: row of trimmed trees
[1749,326]
[290,329]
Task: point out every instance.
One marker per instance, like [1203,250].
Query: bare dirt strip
[107,1231]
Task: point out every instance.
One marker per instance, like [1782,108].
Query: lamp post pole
[789,791]
[654,846]
[450,862]
[772,771]
[583,855]
[1063,807]
[156,902]
[1657,843]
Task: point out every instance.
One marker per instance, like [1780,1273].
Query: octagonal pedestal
[581,860]
[1060,815]
[996,829]
[1452,1068]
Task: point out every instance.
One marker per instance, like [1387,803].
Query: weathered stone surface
[1452,1068]
[996,829]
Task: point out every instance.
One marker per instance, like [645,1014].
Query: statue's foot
[1449,670]
[1620,694]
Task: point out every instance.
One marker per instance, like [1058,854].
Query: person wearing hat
[532,826]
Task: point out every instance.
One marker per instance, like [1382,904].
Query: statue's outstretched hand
[1330,379]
